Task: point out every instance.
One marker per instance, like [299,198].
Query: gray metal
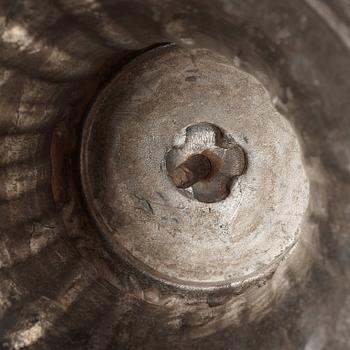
[204,236]
[71,277]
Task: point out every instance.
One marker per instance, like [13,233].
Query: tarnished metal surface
[63,285]
[126,159]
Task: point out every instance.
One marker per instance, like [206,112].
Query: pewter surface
[55,292]
[135,202]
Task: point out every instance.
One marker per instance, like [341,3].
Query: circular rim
[144,271]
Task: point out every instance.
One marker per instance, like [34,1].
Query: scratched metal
[63,282]
[126,140]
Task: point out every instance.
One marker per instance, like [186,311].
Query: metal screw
[195,168]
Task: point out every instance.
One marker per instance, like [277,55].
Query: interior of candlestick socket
[99,249]
[144,219]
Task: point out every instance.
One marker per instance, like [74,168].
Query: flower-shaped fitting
[204,162]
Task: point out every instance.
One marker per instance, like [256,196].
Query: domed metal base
[67,281]
[125,165]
